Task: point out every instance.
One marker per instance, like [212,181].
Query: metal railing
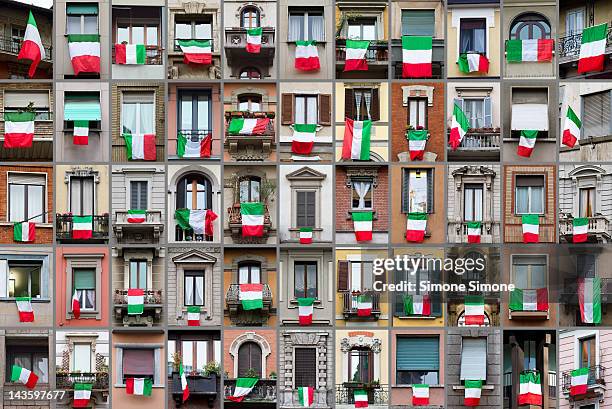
[64,227]
[151,297]
[233,294]
[596,376]
[235,217]
[263,391]
[13,45]
[99,380]
[40,115]
[480,141]
[377,51]
[350,302]
[377,394]
[177,48]
[569,46]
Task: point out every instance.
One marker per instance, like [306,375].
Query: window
[27,199]
[24,279]
[249,17]
[421,275]
[187,29]
[418,23]
[195,354]
[138,363]
[250,73]
[530,353]
[588,352]
[138,33]
[417,360]
[474,359]
[529,111]
[81,358]
[361,365]
[529,192]
[138,274]
[596,118]
[472,35]
[363,104]
[82,195]
[195,112]
[361,276]
[31,357]
[529,272]
[15,101]
[305,367]
[417,112]
[305,274]
[361,193]
[84,281]
[306,25]
[312,108]
[478,111]
[251,103]
[587,201]
[139,192]
[249,357]
[417,191]
[194,191]
[82,106]
[306,109]
[82,18]
[474,273]
[250,186]
[194,287]
[362,29]
[17,35]
[586,265]
[574,21]
[249,273]
[305,208]
[530,26]
[138,113]
[472,202]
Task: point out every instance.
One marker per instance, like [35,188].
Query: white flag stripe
[82,394]
[80,130]
[584,229]
[580,379]
[529,50]
[417,145]
[365,225]
[593,49]
[251,295]
[81,226]
[255,40]
[420,392]
[417,304]
[306,51]
[19,127]
[137,146]
[305,310]
[138,386]
[32,34]
[357,139]
[130,54]
[473,231]
[196,220]
[252,220]
[248,125]
[416,224]
[530,300]
[24,306]
[473,61]
[303,136]
[527,142]
[530,387]
[193,316]
[473,393]
[416,56]
[574,130]
[531,228]
[355,53]
[471,309]
[79,48]
[361,398]
[135,299]
[194,49]
[305,235]
[192,149]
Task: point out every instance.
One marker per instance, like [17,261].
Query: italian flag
[248,126]
[356,144]
[474,310]
[459,127]
[253,40]
[306,396]
[416,56]
[184,385]
[244,386]
[135,298]
[188,148]
[420,395]
[140,146]
[251,296]
[589,298]
[305,309]
[24,307]
[473,389]
[416,224]
[252,219]
[530,390]
[306,56]
[362,224]
[529,300]
[364,305]
[76,306]
[593,48]
[355,59]
[361,398]
[189,219]
[136,216]
[417,139]
[32,48]
[130,54]
[139,386]
[473,232]
[306,235]
[527,143]
[82,227]
[82,394]
[196,51]
[571,128]
[18,129]
[303,138]
[580,229]
[193,316]
[80,133]
[24,376]
[473,62]
[24,232]
[84,52]
[417,305]
[531,228]
[529,50]
[579,381]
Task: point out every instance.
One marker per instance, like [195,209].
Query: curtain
[311,105]
[368,101]
[255,275]
[296,27]
[189,290]
[300,110]
[537,205]
[362,189]
[358,95]
[479,40]
[91,298]
[88,200]
[317,27]
[146,119]
[522,200]
[355,276]
[128,118]
[243,275]
[41,368]
[199,282]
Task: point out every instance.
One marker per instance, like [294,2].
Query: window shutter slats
[84,279]
[405,190]
[138,362]
[596,121]
[474,359]
[418,22]
[287,109]
[325,109]
[343,272]
[349,103]
[375,109]
[305,370]
[430,191]
[418,353]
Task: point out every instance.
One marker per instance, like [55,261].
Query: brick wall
[43,128]
[229,336]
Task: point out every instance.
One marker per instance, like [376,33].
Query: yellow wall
[385,20]
[61,188]
[383,335]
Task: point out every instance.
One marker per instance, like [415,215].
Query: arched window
[249,272]
[250,73]
[193,192]
[361,365]
[249,17]
[530,26]
[249,102]
[249,357]
[250,186]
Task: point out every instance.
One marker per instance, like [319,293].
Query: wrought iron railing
[64,227]
[569,46]
[263,391]
[350,301]
[377,51]
[596,376]
[377,394]
[151,297]
[233,294]
[12,45]
[99,380]
[480,140]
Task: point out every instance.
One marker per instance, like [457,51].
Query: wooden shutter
[405,189]
[596,116]
[138,362]
[325,109]
[305,369]
[430,191]
[249,356]
[349,103]
[287,109]
[343,275]
[375,107]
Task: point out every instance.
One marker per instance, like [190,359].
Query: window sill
[41,225]
[410,317]
[34,300]
[410,386]
[122,386]
[538,140]
[484,387]
[294,42]
[295,302]
[297,229]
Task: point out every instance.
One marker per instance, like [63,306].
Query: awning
[532,117]
[83,9]
[82,108]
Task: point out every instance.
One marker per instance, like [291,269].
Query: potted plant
[176,362]
[272,375]
[212,368]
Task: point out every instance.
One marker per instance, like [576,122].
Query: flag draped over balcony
[593,49]
[417,139]
[251,296]
[531,228]
[24,232]
[140,147]
[474,310]
[24,307]
[244,386]
[364,305]
[529,300]
[253,40]
[306,235]
[473,232]
[82,394]
[201,221]
[193,316]
[82,227]
[197,52]
[580,229]
[416,56]
[362,224]
[306,396]
[184,386]
[459,127]
[32,48]
[18,129]
[579,381]
[530,390]
[130,54]
[416,225]
[539,50]
[527,143]
[76,305]
[135,298]
[361,398]
[356,142]
[473,62]
[420,394]
[589,299]
[355,59]
[186,147]
[139,386]
[306,56]
[305,310]
[248,126]
[253,218]
[303,138]
[84,53]
[473,390]
[24,376]
[571,128]
[80,132]
[417,305]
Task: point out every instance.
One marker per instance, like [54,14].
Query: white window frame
[46,194]
[525,255]
[140,101]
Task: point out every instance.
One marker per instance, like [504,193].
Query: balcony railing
[378,51]
[569,46]
[238,316]
[263,391]
[99,380]
[13,45]
[234,218]
[598,226]
[233,295]
[552,384]
[236,39]
[151,297]
[155,55]
[458,231]
[377,394]
[350,302]
[64,227]
[595,379]
[206,387]
[481,140]
[177,48]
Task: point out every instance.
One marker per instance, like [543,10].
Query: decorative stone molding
[250,336]
[417,91]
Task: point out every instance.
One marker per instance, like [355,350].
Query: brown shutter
[382,277]
[343,274]
[287,109]
[375,108]
[249,356]
[349,103]
[325,109]
[138,362]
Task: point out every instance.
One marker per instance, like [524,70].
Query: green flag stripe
[416,43]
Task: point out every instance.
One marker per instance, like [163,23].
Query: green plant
[266,190]
[212,368]
[272,375]
[176,361]
[252,373]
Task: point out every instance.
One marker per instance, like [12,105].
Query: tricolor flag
[529,300]
[306,235]
[531,228]
[24,376]
[356,144]
[307,56]
[571,128]
[580,231]
[251,296]
[193,316]
[24,232]
[18,129]
[82,394]
[80,133]
[416,56]
[32,48]
[196,51]
[361,398]
[420,395]
[253,39]
[140,146]
[473,389]
[84,52]
[24,307]
[473,62]
[305,310]
[244,386]
[248,126]
[364,305]
[529,50]
[473,232]
[417,139]
[579,381]
[306,396]
[593,48]
[187,147]
[530,391]
[416,224]
[417,305]
[139,386]
[589,299]
[474,310]
[355,59]
[184,385]
[362,224]
[135,298]
[76,305]
[82,227]
[252,215]
[130,54]
[459,127]
[136,216]
[200,221]
[303,138]
[527,143]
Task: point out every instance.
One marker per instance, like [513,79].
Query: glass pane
[520,276]
[255,274]
[203,113]
[469,204]
[538,276]
[73,24]
[255,189]
[311,110]
[128,117]
[369,32]
[412,108]
[300,110]
[418,191]
[82,358]
[199,290]
[147,118]
[296,27]
[203,30]
[90,24]
[299,279]
[186,112]
[316,27]
[123,35]
[537,200]
[243,275]
[41,367]
[187,356]
[36,203]
[152,35]
[17,203]
[354,32]
[182,30]
[142,275]
[312,280]
[202,354]
[355,276]
[217,351]
[138,35]
[133,274]
[522,200]
[188,290]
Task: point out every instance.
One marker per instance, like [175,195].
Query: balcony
[11,45]
[247,318]
[596,383]
[63,229]
[530,314]
[552,386]
[568,297]
[152,314]
[235,48]
[264,391]
[349,305]
[234,218]
[598,229]
[458,232]
[42,146]
[250,147]
[148,231]
[478,144]
[66,380]
[437,58]
[194,135]
[377,394]
[569,46]
[377,57]
[155,55]
[200,387]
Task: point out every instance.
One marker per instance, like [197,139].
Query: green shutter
[82,107]
[418,353]
[418,22]
[84,279]
[79,9]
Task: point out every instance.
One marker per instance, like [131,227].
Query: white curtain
[296,25]
[189,291]
[199,290]
[128,118]
[146,119]
[317,28]
[358,105]
[91,299]
[362,189]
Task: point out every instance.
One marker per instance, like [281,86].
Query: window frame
[250,265]
[412,371]
[430,173]
[195,95]
[529,188]
[305,13]
[306,216]
[194,274]
[30,263]
[140,98]
[251,343]
[306,98]
[81,178]
[139,273]
[417,10]
[251,179]
[306,264]
[472,35]
[82,18]
[362,273]
[82,295]
[355,195]
[529,20]
[145,23]
[529,278]
[12,351]
[44,195]
[474,187]
[361,22]
[583,100]
[257,16]
[418,101]
[362,352]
